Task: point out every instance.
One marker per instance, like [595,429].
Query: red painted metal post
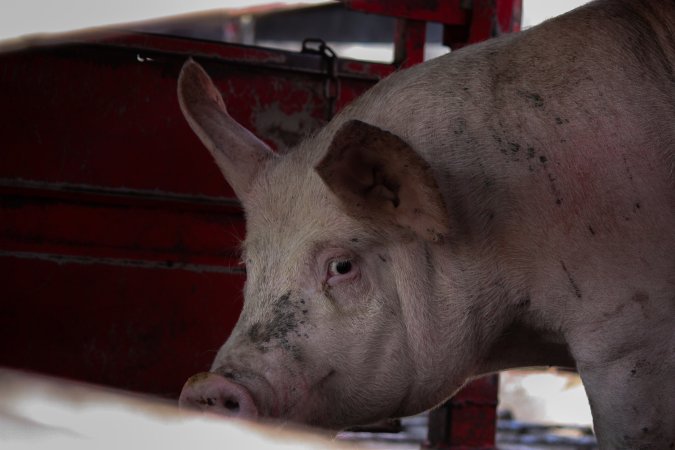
[468,420]
[487,19]
[410,36]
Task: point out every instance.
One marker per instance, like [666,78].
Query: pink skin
[263,391]
[453,189]
[216,394]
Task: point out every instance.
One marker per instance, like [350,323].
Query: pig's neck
[479,313]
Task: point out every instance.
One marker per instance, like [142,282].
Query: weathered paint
[99,223]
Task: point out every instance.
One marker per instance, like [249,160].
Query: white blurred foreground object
[40,412]
[22,18]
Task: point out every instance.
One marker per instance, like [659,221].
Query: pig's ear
[239,154]
[379,177]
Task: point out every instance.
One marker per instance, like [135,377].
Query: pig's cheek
[350,297]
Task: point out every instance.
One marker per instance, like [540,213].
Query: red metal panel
[112,322]
[106,226]
[97,116]
[118,235]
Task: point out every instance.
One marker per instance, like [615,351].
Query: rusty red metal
[118,236]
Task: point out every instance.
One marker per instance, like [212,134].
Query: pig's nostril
[217,394]
[232,405]
[206,401]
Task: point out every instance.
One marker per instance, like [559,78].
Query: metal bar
[447,11]
[468,420]
[409,40]
[119,262]
[149,44]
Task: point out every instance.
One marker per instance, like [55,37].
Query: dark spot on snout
[283,321]
[355,240]
[254,334]
[543,159]
[590,228]
[382,258]
[284,298]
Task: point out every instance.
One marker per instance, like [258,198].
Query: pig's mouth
[313,390]
[284,401]
[252,395]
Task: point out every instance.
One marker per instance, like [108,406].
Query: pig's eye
[340,267]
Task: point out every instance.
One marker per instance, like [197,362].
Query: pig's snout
[210,392]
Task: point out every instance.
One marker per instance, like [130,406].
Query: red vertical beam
[409,39]
[488,19]
[468,420]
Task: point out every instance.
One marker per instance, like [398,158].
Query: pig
[510,204]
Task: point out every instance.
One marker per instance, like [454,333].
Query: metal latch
[331,87]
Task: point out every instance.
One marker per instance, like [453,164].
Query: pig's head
[332,331]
